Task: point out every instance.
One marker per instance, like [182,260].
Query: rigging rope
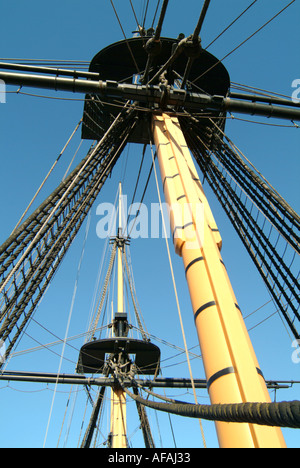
[155,14]
[39,245]
[86,442]
[246,40]
[48,175]
[104,291]
[131,287]
[145,15]
[68,324]
[127,42]
[258,91]
[65,193]
[273,255]
[142,199]
[104,258]
[175,291]
[283,414]
[231,24]
[271,203]
[136,185]
[148,438]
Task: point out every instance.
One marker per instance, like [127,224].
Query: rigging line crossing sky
[56,206]
[68,326]
[231,24]
[176,293]
[246,40]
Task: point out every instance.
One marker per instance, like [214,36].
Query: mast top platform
[92,358]
[126,62]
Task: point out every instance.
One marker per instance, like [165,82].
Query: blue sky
[33,131]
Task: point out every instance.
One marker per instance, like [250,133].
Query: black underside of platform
[115,63]
[93,355]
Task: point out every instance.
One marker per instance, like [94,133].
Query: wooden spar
[231,367]
[118,429]
[118,419]
[120,257]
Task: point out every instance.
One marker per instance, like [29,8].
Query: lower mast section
[118,437]
[231,367]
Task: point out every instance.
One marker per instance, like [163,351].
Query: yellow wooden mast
[118,428]
[231,367]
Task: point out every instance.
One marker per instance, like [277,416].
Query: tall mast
[174,71]
[232,370]
[120,355]
[118,428]
[120,256]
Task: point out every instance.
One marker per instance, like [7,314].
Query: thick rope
[282,414]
